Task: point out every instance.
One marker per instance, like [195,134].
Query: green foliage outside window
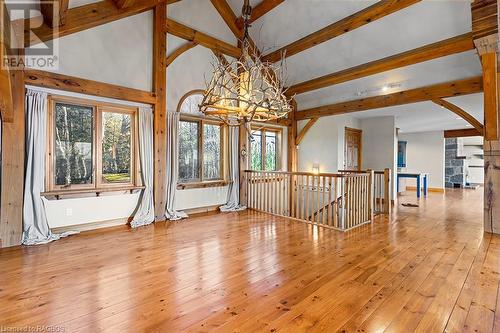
[264,155]
[256,151]
[116,147]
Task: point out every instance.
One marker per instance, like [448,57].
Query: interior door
[352,150]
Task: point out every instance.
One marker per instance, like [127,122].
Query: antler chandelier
[247,89]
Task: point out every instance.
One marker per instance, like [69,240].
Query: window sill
[212,183]
[58,193]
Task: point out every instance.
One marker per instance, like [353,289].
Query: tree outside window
[264,150]
[90,145]
[201,143]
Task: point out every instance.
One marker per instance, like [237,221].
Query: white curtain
[233,195]
[145,214]
[35,225]
[172,171]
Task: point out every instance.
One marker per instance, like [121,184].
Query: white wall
[425,153]
[379,144]
[68,212]
[324,143]
[119,52]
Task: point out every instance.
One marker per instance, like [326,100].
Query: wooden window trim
[98,108]
[201,182]
[279,143]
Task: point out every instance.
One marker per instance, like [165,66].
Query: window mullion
[200,148]
[97,148]
[263,149]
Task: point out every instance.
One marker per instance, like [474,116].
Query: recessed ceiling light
[458,118]
[468,125]
[385,88]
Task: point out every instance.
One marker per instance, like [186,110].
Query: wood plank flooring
[426,269]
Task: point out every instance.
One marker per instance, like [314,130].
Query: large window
[90,145]
[201,144]
[265,149]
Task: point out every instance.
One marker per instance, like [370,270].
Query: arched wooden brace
[461,113]
[180,50]
[304,130]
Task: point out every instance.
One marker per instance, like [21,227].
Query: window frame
[201,183]
[98,108]
[279,149]
[201,121]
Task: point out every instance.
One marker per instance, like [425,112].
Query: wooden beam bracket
[304,130]
[461,113]
[180,50]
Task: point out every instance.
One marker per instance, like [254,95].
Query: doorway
[352,149]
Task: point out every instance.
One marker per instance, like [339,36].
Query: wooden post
[12,185]
[160,124]
[387,191]
[292,135]
[243,152]
[292,152]
[491,143]
[485,35]
[371,191]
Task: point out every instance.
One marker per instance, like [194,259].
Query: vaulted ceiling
[417,25]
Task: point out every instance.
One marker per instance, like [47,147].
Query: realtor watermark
[30,37]
[32,328]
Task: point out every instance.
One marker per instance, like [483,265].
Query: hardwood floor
[429,269]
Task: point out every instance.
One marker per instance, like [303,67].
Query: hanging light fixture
[247,89]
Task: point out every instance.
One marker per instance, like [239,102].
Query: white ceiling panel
[458,66]
[202,16]
[294,19]
[419,117]
[415,26]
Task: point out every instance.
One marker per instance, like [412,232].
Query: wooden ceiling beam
[54,12]
[180,50]
[192,35]
[460,133]
[123,3]
[484,18]
[83,86]
[264,7]
[228,16]
[354,21]
[439,49]
[441,90]
[461,113]
[84,17]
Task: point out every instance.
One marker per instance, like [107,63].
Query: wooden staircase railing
[339,201]
[381,189]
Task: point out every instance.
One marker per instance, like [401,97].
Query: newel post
[371,191]
[243,165]
[387,191]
